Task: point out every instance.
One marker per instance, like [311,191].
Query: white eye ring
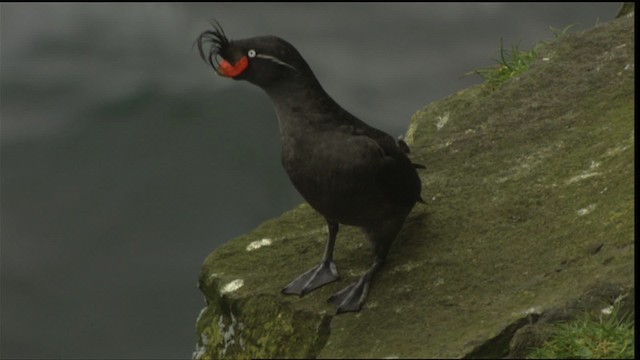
[252,53]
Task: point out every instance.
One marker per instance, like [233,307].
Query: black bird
[348,171]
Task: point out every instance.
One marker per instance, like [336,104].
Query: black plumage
[348,171]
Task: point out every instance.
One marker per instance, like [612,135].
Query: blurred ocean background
[124,160]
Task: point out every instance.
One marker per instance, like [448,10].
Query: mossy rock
[529,195]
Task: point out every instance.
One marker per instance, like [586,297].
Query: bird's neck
[299,93]
[302,105]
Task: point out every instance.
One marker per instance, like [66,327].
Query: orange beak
[228,70]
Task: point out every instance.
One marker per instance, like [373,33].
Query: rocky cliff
[529,193]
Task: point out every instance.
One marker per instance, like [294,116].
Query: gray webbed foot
[322,274]
[352,297]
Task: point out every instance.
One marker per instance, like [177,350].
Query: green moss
[259,327]
[254,321]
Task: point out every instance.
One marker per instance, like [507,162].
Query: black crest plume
[217,41]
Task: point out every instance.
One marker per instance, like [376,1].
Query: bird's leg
[353,296]
[321,274]
[382,236]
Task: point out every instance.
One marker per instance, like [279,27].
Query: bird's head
[262,60]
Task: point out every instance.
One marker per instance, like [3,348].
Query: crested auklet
[348,171]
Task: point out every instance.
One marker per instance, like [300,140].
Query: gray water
[125,160]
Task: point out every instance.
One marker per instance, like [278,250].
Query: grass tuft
[586,338]
[558,33]
[511,62]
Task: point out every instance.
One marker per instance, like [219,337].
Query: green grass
[513,61]
[558,33]
[586,338]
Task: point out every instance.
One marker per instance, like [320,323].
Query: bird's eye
[252,53]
